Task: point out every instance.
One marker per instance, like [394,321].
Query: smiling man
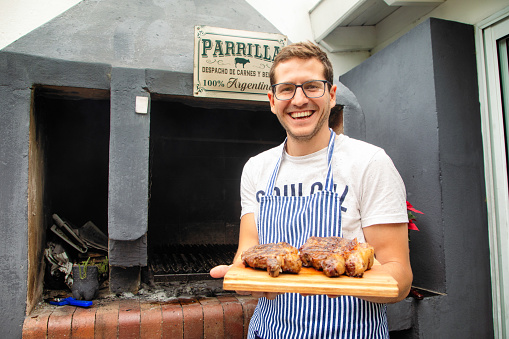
[303,114]
[318,183]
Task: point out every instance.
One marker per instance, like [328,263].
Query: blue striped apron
[294,219]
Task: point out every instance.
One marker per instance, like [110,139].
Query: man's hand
[248,237]
[221,270]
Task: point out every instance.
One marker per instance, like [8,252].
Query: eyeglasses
[312,89]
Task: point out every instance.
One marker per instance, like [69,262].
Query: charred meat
[360,259]
[275,258]
[317,249]
[334,265]
[336,256]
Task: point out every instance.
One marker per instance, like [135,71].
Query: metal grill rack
[177,262]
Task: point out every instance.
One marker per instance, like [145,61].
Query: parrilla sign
[234,64]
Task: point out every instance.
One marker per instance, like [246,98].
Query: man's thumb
[219,271]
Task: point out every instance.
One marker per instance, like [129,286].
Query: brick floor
[187,318]
[233,317]
[83,322]
[129,319]
[60,322]
[151,322]
[213,326]
[106,320]
[36,324]
[173,320]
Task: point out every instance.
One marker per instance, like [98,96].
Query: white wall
[291,17]
[19,17]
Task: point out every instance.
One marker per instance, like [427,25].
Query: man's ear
[271,101]
[332,92]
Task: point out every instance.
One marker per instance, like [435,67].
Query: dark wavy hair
[303,50]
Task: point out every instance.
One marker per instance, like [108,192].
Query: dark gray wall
[18,73]
[130,47]
[128,167]
[420,100]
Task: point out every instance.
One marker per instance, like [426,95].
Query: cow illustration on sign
[241,61]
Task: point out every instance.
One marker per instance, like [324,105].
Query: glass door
[492,46]
[503,59]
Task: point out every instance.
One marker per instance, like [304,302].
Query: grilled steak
[317,249]
[336,256]
[360,259]
[275,258]
[334,265]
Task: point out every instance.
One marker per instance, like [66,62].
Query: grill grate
[189,259]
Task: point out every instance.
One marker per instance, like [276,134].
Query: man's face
[302,117]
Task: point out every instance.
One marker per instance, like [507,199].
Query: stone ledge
[211,317]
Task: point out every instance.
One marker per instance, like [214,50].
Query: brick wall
[225,316]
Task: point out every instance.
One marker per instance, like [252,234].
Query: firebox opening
[68,172]
[197,153]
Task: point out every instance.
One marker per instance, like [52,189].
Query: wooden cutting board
[375,282]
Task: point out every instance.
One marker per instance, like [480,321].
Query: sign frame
[234,64]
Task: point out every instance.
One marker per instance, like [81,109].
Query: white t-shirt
[376,192]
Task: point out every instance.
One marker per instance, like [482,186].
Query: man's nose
[299,97]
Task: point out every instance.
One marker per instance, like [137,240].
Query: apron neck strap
[329,181]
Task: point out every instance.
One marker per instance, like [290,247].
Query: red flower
[411,217]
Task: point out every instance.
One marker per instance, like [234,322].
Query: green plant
[85,264]
[102,267]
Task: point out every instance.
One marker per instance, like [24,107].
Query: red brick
[83,322]
[59,323]
[173,320]
[129,319]
[35,325]
[106,320]
[151,321]
[233,317]
[212,318]
[248,306]
[193,318]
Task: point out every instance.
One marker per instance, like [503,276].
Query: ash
[165,291]
[157,292]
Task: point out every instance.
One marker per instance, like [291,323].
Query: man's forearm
[403,278]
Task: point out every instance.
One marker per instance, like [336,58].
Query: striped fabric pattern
[294,219]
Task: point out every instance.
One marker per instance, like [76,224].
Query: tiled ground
[212,317]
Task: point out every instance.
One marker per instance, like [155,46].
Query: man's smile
[301,114]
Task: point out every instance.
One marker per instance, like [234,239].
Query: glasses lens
[313,89]
[284,91]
